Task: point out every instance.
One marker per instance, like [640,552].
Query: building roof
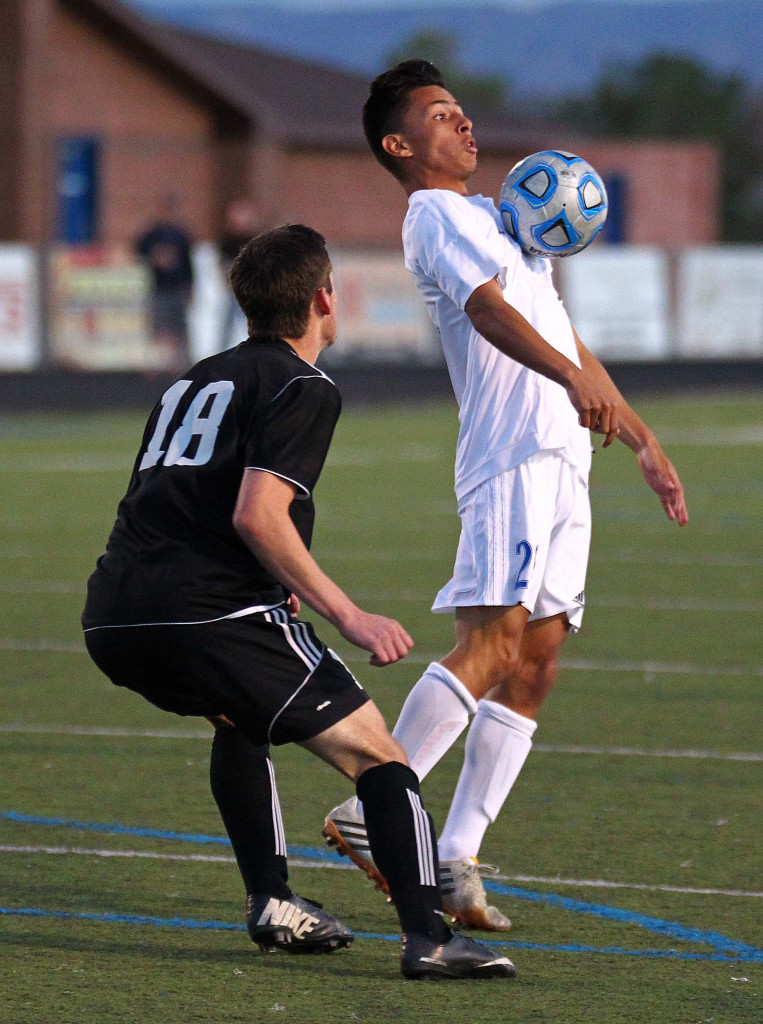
[297,101]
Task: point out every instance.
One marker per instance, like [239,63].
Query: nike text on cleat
[295,924]
[459,957]
[463,895]
[345,830]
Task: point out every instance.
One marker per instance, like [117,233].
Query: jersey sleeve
[453,249]
[292,439]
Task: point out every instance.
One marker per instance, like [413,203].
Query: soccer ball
[553,203]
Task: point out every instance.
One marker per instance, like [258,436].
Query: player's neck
[310,345]
[426,180]
[423,177]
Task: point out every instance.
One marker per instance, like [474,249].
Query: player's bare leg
[500,736]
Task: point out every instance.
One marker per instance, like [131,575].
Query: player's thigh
[357,742]
[562,587]
[506,526]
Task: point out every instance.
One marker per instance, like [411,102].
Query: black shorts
[266,672]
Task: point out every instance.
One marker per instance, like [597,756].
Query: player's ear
[396,145]
[322,301]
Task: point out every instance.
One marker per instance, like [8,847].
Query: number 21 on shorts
[525,553]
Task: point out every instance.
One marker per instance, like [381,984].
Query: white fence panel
[19,308]
[719,310]
[618,299]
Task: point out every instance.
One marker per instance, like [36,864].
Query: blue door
[615,226]
[77,190]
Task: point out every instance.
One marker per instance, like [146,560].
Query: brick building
[109,109]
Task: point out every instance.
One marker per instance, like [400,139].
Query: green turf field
[629,849]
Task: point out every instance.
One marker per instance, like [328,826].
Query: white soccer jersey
[453,244]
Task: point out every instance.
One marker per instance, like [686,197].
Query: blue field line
[190,923]
[670,929]
[155,833]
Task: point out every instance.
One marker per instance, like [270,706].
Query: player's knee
[382,750]
[536,678]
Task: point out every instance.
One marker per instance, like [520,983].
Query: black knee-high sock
[243,785]
[404,846]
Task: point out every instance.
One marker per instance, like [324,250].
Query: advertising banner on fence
[19,308]
[98,310]
[720,302]
[381,314]
[618,301]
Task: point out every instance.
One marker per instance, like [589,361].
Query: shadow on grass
[346,963]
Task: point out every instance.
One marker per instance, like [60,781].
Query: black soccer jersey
[173,555]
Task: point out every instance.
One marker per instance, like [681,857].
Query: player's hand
[385,639]
[293,604]
[662,478]
[597,404]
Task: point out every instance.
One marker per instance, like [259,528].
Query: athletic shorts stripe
[278,829]
[297,637]
[423,840]
[293,697]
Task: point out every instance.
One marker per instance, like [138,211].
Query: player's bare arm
[655,466]
[262,520]
[595,399]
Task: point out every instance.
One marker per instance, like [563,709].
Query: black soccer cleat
[459,957]
[295,924]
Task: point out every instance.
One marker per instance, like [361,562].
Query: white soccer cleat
[463,895]
[345,830]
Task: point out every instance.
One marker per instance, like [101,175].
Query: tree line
[667,95]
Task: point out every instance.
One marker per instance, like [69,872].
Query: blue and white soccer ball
[553,203]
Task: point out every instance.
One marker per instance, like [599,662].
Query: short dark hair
[275,278]
[388,101]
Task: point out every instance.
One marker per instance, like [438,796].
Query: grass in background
[669,660]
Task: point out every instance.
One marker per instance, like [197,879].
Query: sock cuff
[383,775]
[454,684]
[512,719]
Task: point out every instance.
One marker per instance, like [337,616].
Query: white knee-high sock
[497,746]
[434,715]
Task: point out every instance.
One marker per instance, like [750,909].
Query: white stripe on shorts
[297,637]
[423,840]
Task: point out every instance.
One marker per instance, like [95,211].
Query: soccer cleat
[296,925]
[463,895]
[345,830]
[459,957]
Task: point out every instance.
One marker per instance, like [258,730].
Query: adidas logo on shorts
[285,914]
[580,598]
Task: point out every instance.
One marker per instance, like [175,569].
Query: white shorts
[525,536]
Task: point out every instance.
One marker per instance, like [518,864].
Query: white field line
[117,732]
[669,604]
[440,555]
[401,554]
[711,437]
[119,464]
[68,464]
[713,755]
[599,883]
[150,855]
[607,665]
[421,658]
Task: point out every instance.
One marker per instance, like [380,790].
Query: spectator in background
[243,219]
[165,248]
